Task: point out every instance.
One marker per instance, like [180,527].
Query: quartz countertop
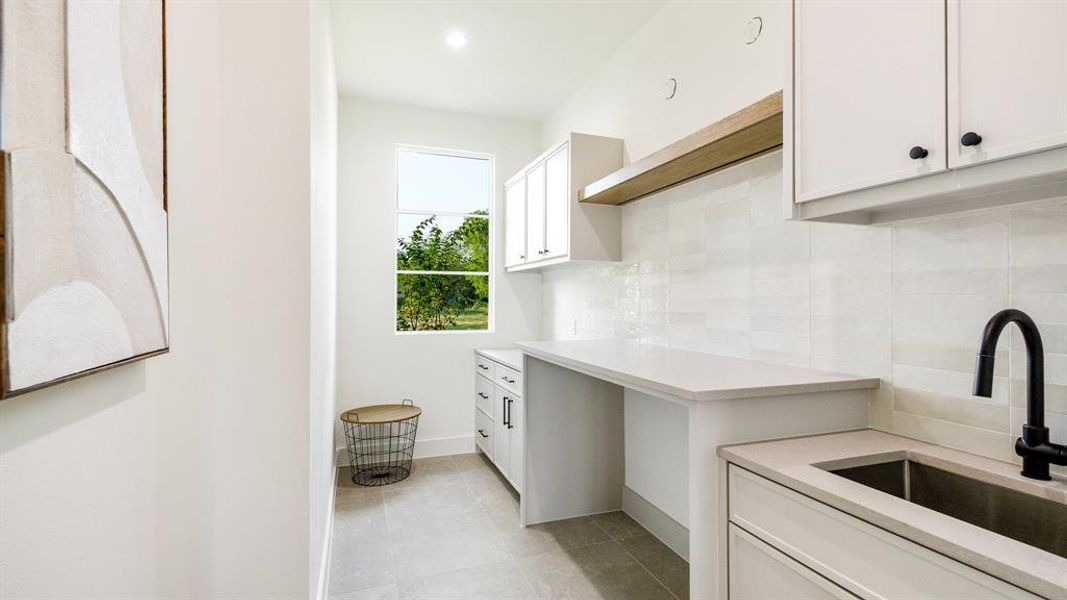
[511,357]
[688,375]
[792,464]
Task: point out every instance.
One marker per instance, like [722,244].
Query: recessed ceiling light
[456,39]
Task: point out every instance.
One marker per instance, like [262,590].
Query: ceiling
[522,59]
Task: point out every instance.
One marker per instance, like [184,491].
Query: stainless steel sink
[1031,520]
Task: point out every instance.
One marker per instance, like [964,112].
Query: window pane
[433,182]
[442,302]
[436,243]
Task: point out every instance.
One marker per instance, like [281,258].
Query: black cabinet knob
[918,152]
[971,139]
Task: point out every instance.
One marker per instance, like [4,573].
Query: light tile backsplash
[711,265]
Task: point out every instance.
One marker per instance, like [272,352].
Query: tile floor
[451,530]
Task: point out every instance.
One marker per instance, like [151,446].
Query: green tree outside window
[431,302]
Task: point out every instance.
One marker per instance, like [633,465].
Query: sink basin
[1029,519]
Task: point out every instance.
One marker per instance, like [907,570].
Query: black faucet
[1034,446]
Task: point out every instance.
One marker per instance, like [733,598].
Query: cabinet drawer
[483,433]
[866,560]
[485,367]
[509,379]
[758,572]
[483,395]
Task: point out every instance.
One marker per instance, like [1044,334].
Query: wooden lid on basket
[381,413]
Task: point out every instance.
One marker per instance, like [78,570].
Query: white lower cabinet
[515,454]
[483,433]
[501,427]
[779,539]
[498,416]
[483,396]
[759,572]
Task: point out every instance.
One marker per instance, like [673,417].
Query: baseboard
[463,444]
[658,523]
[327,542]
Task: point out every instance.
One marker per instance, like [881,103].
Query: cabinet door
[868,86]
[557,203]
[759,572]
[515,443]
[501,447]
[515,223]
[1007,77]
[535,213]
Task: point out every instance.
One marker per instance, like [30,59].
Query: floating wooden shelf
[748,132]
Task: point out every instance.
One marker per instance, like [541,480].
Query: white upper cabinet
[869,95]
[554,227]
[535,213]
[515,222]
[1007,70]
[557,194]
[898,109]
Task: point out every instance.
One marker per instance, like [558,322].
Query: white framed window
[444,241]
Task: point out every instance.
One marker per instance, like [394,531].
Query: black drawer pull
[483,396]
[484,434]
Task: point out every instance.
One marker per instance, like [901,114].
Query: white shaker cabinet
[1007,70]
[896,110]
[502,432]
[869,94]
[797,547]
[515,223]
[515,440]
[759,572]
[535,213]
[548,226]
[498,411]
[557,218]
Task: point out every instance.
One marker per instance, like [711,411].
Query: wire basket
[381,441]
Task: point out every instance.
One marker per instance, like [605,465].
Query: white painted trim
[440,213]
[446,446]
[463,444]
[327,542]
[661,525]
[460,273]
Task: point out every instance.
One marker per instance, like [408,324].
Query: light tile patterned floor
[451,531]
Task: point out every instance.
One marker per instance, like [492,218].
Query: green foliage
[438,302]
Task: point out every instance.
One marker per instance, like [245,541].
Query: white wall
[373,364]
[323,287]
[657,452]
[701,44]
[187,475]
[710,265]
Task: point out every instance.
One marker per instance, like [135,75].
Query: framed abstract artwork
[84,190]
